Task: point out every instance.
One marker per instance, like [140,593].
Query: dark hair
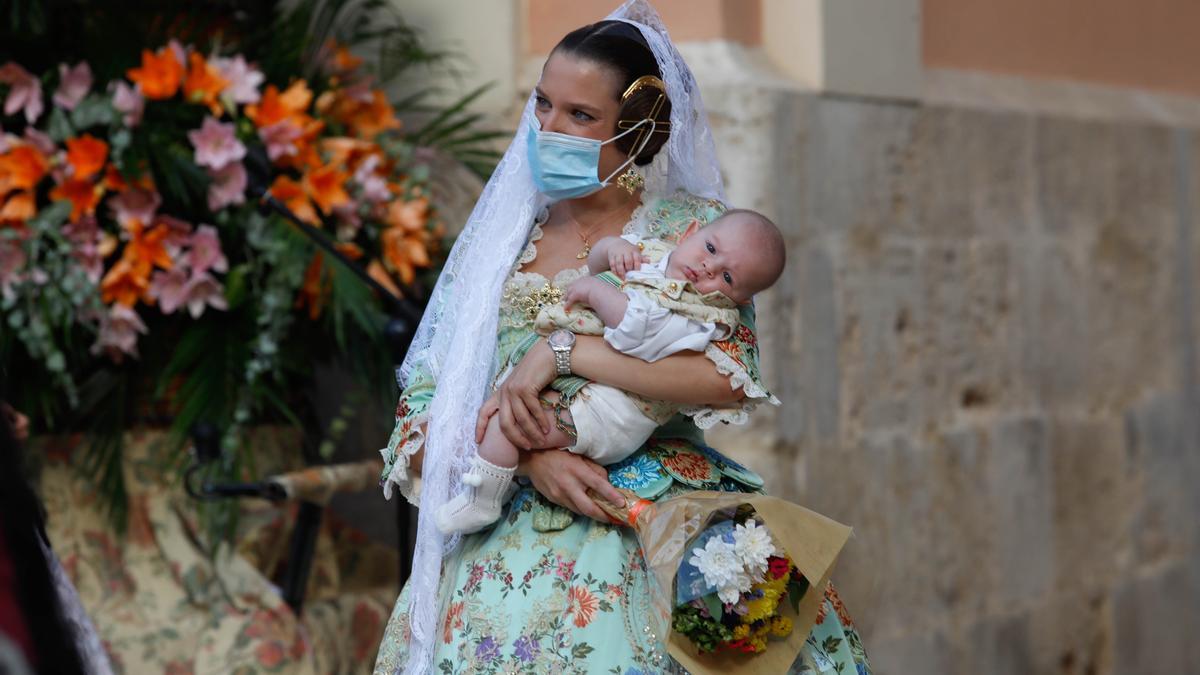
[620,47]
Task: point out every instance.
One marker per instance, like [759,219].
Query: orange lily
[370,119]
[406,241]
[146,247]
[203,83]
[125,283]
[86,155]
[18,208]
[306,150]
[348,151]
[376,271]
[160,74]
[326,186]
[343,60]
[292,195]
[404,252]
[409,215]
[22,168]
[82,194]
[276,107]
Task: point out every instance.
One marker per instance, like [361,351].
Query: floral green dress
[544,591]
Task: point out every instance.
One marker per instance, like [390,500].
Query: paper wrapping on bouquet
[667,531]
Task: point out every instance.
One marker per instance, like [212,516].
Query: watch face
[561,338]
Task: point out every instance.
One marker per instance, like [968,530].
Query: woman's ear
[688,231]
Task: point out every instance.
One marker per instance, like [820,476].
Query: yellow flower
[741,632]
[781,626]
[763,607]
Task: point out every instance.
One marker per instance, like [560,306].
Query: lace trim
[398,453]
[705,417]
[564,276]
[529,253]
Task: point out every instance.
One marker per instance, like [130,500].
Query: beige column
[858,47]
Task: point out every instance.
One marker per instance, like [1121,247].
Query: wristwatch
[561,341]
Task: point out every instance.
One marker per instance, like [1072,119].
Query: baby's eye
[710,247]
[728,279]
[542,102]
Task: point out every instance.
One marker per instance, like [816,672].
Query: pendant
[584,253]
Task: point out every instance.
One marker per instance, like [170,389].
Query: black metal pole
[300,555]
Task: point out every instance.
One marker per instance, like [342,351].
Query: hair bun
[639,103]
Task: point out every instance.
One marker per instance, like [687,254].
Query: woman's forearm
[686,377]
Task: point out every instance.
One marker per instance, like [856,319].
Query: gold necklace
[587,246]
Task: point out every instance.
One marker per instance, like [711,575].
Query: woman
[552,587]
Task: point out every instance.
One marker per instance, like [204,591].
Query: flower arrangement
[731,575]
[138,276]
[731,589]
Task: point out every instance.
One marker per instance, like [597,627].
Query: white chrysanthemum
[754,546]
[718,562]
[731,594]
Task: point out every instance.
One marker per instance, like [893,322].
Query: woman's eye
[710,247]
[728,279]
[580,115]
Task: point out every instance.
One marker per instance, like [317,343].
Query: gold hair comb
[659,127]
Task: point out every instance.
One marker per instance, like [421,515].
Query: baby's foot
[479,505]
[463,515]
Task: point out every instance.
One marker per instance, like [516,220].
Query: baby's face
[717,258]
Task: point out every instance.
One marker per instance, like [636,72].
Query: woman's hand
[489,408]
[521,416]
[564,478]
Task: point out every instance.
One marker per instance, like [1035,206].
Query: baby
[673,298]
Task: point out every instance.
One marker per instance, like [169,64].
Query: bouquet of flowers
[734,575]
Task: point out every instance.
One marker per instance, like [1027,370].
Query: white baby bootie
[479,504]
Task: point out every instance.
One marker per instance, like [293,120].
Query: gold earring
[631,180]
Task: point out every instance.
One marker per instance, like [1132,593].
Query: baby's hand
[580,292]
[624,257]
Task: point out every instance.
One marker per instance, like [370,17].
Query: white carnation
[753,546]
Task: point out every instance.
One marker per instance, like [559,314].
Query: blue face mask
[566,167]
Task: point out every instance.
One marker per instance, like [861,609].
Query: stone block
[997,646]
[1163,443]
[971,173]
[855,165]
[1093,487]
[814,388]
[1072,633]
[1019,503]
[909,654]
[1157,619]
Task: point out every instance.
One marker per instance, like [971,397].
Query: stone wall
[985,342]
